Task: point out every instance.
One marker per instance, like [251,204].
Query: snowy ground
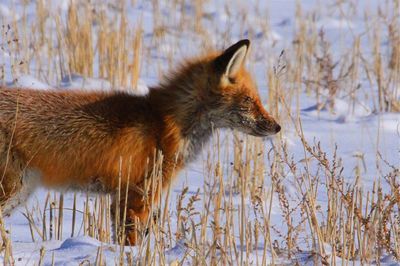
[354,129]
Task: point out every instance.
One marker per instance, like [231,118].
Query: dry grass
[243,180]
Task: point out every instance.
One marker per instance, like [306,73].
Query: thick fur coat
[91,141]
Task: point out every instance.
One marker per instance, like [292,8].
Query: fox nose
[277,128]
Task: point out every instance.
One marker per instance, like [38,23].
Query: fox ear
[230,61]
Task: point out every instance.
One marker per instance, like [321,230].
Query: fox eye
[246,104]
[248,100]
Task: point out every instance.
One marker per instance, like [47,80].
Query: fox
[102,141]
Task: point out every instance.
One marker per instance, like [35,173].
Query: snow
[7,14]
[342,111]
[76,81]
[79,82]
[28,81]
[334,24]
[71,251]
[353,126]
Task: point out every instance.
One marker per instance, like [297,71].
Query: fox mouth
[258,128]
[261,131]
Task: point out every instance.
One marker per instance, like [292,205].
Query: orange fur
[86,140]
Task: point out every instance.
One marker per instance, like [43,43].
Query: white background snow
[354,129]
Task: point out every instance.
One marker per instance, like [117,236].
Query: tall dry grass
[228,219]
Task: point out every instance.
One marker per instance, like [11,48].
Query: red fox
[102,141]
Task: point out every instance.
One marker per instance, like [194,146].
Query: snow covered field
[324,191]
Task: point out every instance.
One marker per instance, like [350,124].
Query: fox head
[235,99]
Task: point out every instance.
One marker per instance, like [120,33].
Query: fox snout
[263,123]
[259,126]
[253,120]
[265,126]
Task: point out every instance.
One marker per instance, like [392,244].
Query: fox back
[73,137]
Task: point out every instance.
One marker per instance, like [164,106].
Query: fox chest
[194,144]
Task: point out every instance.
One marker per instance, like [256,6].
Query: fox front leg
[133,218]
